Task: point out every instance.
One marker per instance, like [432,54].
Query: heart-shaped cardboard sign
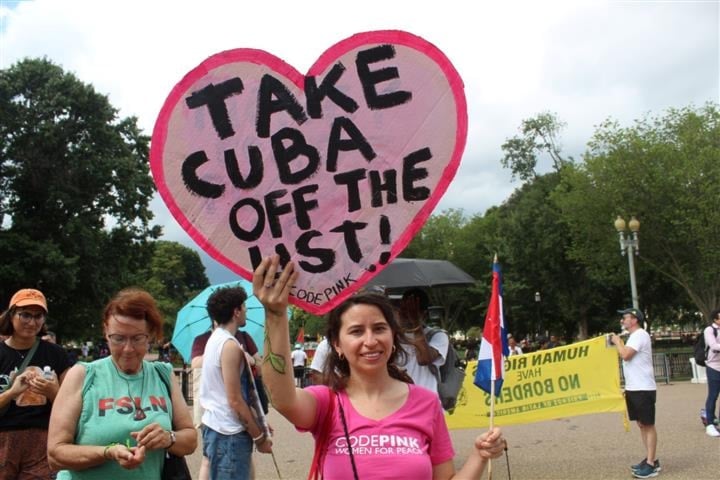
[335,170]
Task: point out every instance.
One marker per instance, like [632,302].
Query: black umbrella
[418,272]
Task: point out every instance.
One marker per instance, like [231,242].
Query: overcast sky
[584,61]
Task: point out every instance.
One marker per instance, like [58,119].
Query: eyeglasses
[135,340]
[28,317]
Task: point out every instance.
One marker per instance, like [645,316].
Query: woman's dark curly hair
[337,371]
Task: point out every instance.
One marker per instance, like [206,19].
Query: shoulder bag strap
[347,437]
[432,367]
[29,355]
[165,378]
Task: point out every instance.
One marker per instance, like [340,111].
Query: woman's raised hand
[272,289]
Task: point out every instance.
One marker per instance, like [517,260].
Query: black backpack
[449,376]
[700,350]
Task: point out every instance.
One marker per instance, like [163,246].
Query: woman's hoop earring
[394,348]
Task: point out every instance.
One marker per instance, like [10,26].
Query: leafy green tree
[312,325]
[440,237]
[666,171]
[474,333]
[174,276]
[74,193]
[531,242]
[540,134]
[443,238]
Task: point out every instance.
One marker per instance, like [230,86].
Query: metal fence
[669,366]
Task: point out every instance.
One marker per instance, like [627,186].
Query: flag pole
[492,418]
[492,396]
[492,401]
[276,465]
[493,348]
[492,404]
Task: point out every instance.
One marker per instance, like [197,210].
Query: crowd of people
[373,375]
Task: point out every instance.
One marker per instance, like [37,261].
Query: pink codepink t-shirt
[405,444]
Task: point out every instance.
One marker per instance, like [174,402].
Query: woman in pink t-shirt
[370,422]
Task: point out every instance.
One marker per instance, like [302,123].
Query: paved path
[585,448]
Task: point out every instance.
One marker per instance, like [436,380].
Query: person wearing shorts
[640,388]
[229,425]
[641,406]
[299,357]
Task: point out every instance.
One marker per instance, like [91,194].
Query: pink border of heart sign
[335,170]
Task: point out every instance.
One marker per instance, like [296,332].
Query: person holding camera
[640,388]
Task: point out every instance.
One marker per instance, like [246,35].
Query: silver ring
[268,285]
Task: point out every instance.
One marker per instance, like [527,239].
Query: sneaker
[712,431]
[644,462]
[645,471]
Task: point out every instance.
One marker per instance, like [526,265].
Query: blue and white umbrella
[193,319]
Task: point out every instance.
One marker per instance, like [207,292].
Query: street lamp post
[537,310]
[630,246]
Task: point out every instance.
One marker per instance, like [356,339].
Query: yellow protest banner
[567,381]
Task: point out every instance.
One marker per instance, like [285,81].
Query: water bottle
[48,375]
[703,417]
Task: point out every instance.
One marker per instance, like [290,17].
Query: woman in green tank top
[114,418]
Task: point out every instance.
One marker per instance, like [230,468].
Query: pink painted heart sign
[335,170]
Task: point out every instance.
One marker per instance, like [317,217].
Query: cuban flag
[494,345]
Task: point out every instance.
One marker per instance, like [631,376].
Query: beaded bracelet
[108,447]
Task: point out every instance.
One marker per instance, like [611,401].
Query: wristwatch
[173,439]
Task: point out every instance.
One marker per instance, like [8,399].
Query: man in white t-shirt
[317,366]
[299,357]
[640,388]
[423,352]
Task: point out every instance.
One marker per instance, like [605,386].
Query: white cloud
[585,61]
